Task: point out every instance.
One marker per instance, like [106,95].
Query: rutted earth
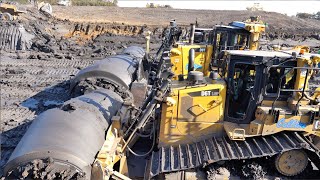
[37,79]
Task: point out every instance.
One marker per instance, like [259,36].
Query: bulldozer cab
[203,35]
[250,79]
[229,38]
[210,42]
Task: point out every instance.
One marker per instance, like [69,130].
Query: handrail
[289,90]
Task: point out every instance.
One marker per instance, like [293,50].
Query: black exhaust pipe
[192,31]
[191,60]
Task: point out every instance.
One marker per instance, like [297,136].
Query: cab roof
[252,53]
[280,54]
[203,29]
[227,27]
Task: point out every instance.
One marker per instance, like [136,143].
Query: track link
[200,154]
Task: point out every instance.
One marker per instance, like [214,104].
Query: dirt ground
[37,79]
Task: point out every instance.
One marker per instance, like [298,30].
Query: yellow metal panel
[176,60]
[180,59]
[287,123]
[209,50]
[108,154]
[168,121]
[277,103]
[196,115]
[199,57]
[123,169]
[187,132]
[196,106]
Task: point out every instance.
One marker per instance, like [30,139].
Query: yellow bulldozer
[130,119]
[206,44]
[9,12]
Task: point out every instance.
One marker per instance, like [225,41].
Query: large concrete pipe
[63,142]
[117,72]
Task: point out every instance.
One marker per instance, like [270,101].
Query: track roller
[291,163]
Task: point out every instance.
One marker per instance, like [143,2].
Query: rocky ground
[37,79]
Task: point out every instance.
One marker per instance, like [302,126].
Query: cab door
[244,88]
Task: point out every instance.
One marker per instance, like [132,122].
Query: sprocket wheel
[291,163]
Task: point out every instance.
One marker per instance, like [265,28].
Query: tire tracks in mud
[29,87]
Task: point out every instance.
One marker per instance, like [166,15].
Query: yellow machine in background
[9,12]
[207,44]
[153,5]
[255,27]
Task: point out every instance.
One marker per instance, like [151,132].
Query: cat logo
[211,92]
[206,93]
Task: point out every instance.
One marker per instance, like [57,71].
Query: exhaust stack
[192,31]
[191,60]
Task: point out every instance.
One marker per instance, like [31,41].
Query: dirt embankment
[82,25]
[161,16]
[135,21]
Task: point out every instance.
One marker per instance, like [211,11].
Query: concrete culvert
[62,142]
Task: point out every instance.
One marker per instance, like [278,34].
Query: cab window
[280,77]
[241,90]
